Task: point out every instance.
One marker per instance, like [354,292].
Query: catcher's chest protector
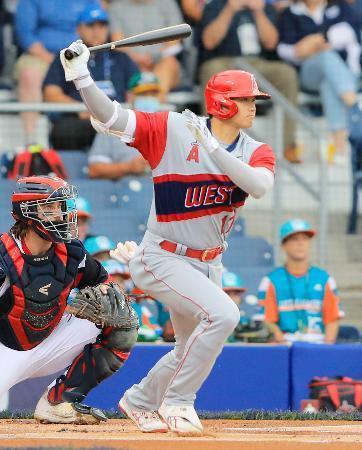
[39,287]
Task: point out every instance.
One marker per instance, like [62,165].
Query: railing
[282,107]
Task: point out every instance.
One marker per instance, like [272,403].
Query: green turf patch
[249,414]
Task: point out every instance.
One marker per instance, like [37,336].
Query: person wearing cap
[111,71]
[230,29]
[144,90]
[250,327]
[149,329]
[300,301]
[84,216]
[234,286]
[203,171]
[111,158]
[99,247]
[42,28]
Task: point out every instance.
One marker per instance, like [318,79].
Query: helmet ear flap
[226,108]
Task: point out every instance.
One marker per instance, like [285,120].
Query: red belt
[203,255]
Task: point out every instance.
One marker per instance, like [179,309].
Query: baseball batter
[203,170]
[40,262]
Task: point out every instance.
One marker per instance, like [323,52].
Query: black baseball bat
[147,38]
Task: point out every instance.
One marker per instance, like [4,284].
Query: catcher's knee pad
[119,338]
[97,362]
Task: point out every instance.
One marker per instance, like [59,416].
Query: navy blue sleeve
[210,13]
[272,14]
[351,17]
[122,71]
[55,74]
[93,273]
[287,28]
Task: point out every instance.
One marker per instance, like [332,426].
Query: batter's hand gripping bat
[147,38]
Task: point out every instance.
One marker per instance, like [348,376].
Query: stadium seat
[100,193]
[75,162]
[135,194]
[250,275]
[6,221]
[246,251]
[348,333]
[238,228]
[117,224]
[6,189]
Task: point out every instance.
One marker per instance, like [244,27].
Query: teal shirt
[303,303]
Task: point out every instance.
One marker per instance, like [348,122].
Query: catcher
[40,262]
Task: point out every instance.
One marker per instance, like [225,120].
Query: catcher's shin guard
[97,362]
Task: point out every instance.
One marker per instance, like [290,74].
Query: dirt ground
[219,434]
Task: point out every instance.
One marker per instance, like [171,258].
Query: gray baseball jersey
[194,203]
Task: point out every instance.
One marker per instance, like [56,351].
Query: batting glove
[199,129]
[124,252]
[76,68]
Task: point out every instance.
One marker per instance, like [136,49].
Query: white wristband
[83,82]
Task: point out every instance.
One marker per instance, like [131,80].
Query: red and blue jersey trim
[184,197]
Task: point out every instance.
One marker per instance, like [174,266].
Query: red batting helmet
[224,86]
[32,202]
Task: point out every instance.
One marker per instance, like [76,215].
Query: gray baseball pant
[203,317]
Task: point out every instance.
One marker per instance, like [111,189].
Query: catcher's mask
[47,205]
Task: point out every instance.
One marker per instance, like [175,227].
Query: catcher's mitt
[111,309]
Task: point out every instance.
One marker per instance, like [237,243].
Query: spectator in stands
[84,218]
[251,327]
[280,5]
[322,41]
[43,28]
[105,4]
[129,17]
[111,158]
[99,247]
[7,36]
[192,10]
[119,272]
[300,301]
[233,28]
[234,286]
[356,5]
[163,318]
[2,56]
[144,89]
[149,330]
[111,71]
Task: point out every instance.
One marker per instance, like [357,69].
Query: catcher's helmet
[224,86]
[47,205]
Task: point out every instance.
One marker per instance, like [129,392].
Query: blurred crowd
[295,302]
[309,45]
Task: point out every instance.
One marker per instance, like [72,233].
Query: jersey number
[227,223]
